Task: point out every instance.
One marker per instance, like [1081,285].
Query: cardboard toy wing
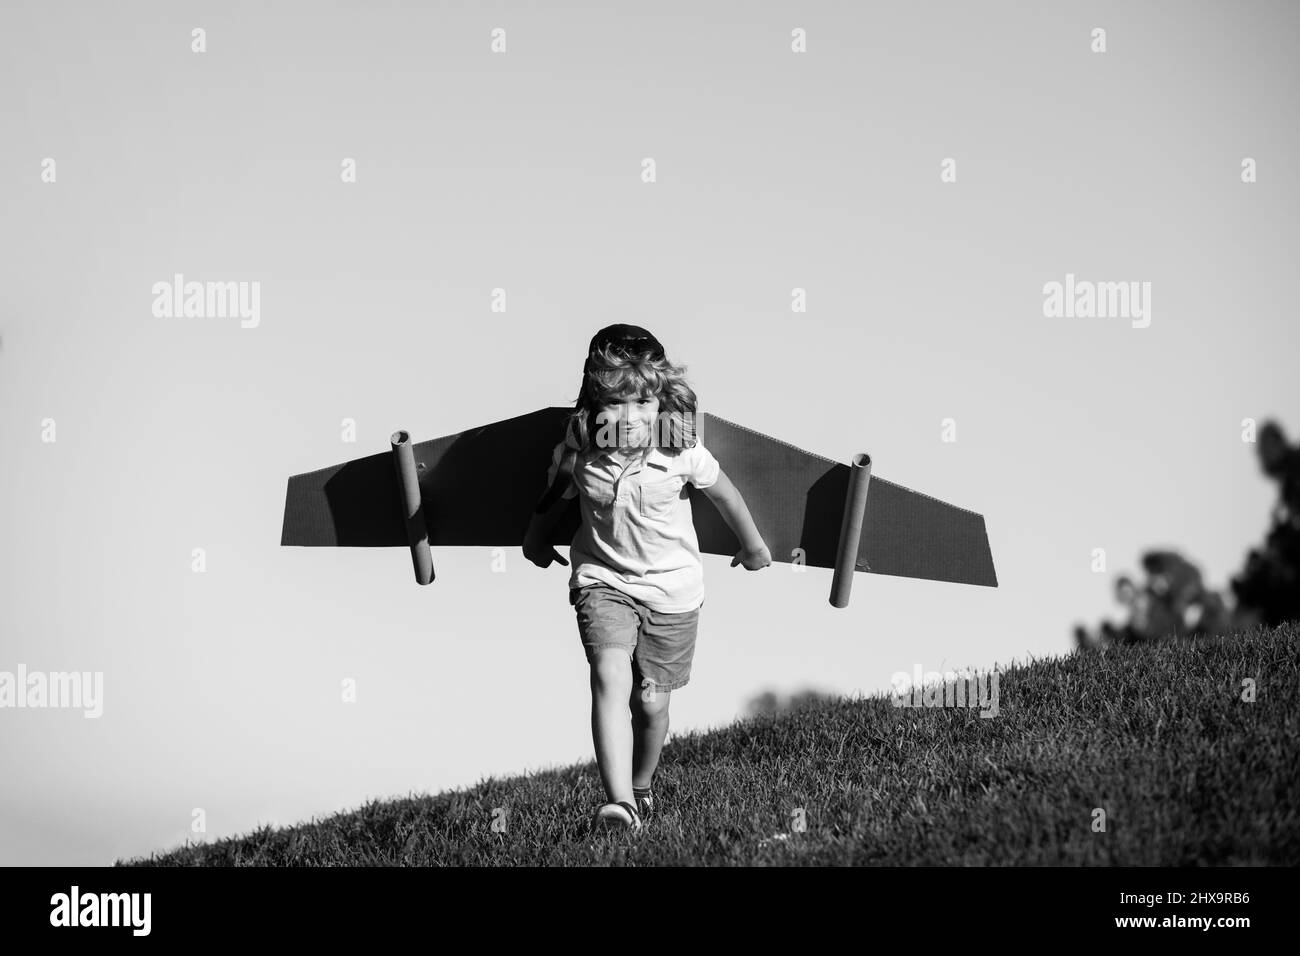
[478,488]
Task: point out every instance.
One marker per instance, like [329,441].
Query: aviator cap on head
[630,339]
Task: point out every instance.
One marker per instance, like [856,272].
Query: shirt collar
[653,457]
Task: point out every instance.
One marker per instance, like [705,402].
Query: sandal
[617,815]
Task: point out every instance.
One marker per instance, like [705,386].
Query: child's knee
[611,667]
[652,703]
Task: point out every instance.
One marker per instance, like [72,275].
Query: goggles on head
[629,340]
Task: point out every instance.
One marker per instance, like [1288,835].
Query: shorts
[661,645]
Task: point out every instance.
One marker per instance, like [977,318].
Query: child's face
[633,417]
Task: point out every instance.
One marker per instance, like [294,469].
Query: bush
[1174,601]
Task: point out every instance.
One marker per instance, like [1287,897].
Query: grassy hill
[1157,736]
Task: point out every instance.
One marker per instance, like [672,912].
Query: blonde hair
[612,376]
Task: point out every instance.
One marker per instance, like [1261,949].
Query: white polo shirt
[637,532]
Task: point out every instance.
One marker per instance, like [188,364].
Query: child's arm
[726,498]
[537,548]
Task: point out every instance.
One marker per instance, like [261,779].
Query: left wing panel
[478,489]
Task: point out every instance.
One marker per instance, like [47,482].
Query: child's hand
[538,551]
[753,560]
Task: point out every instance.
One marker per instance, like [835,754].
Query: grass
[1156,736]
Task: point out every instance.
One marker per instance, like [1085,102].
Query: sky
[841,218]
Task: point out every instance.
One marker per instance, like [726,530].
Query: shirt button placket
[635,466]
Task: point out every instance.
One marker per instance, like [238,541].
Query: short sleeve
[702,467]
[572,490]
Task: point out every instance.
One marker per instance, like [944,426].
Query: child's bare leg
[649,730]
[611,726]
